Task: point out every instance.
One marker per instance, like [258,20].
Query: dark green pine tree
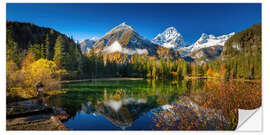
[59,53]
[43,51]
[36,50]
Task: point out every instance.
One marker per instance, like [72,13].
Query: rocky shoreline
[30,115]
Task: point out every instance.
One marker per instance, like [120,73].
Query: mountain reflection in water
[121,113]
[156,105]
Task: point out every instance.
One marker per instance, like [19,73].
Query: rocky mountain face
[86,44]
[124,39]
[170,38]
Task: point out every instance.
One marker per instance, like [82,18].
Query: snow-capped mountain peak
[121,27]
[207,41]
[123,24]
[124,39]
[171,31]
[170,38]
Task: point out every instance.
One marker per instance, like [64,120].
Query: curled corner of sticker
[249,120]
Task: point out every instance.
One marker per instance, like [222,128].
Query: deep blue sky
[87,20]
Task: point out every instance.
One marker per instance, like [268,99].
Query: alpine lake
[197,104]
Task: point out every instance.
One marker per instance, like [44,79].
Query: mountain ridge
[206,40]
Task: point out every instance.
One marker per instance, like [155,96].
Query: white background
[265,70]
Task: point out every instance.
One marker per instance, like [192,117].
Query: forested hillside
[25,38]
[241,57]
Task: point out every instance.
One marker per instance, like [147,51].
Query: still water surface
[151,105]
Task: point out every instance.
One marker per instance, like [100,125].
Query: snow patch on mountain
[116,47]
[170,38]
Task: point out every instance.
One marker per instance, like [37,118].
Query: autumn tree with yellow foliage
[44,71]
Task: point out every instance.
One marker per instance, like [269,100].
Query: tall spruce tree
[59,51]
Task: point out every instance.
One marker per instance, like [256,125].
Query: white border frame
[265,69]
